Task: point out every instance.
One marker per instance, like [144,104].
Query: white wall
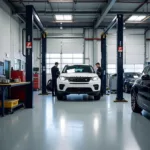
[92,48]
[10,36]
[36,48]
[133,47]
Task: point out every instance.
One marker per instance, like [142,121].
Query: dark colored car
[140,92]
[129,79]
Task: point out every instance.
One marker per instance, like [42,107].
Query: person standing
[100,74]
[55,73]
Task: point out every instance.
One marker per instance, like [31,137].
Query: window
[111,68]
[78,69]
[63,60]
[17,65]
[139,67]
[133,68]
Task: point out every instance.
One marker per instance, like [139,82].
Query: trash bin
[113,83]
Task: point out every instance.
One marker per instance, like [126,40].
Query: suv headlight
[95,78]
[62,78]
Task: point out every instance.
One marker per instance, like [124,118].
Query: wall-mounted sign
[28,44]
[120,49]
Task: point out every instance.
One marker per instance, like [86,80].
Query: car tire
[126,89]
[134,105]
[97,97]
[61,97]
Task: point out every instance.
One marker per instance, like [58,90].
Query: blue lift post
[103,62]
[119,97]
[29,51]
[119,21]
[32,19]
[44,64]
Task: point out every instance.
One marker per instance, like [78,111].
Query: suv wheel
[61,97]
[97,97]
[134,105]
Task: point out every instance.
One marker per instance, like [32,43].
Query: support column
[103,63]
[29,63]
[44,64]
[120,59]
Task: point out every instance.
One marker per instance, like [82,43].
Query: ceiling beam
[104,13]
[10,5]
[87,12]
[128,13]
[13,9]
[80,1]
[62,12]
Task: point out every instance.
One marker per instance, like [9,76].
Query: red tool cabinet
[18,74]
[36,81]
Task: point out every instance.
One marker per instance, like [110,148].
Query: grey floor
[77,124]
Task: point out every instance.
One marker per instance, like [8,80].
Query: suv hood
[78,75]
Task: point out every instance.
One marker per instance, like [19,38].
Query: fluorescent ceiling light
[63,18]
[136,18]
[59,17]
[67,17]
[140,18]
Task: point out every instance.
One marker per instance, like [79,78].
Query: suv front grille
[79,90]
[79,79]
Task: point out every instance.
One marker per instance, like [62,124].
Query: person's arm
[57,72]
[99,72]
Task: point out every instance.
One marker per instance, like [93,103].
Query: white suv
[78,79]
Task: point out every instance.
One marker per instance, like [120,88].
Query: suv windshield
[78,69]
[132,75]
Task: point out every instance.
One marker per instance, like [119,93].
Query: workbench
[3,88]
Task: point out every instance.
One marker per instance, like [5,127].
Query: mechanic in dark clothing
[100,74]
[55,73]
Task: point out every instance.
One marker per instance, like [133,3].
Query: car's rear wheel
[97,97]
[134,105]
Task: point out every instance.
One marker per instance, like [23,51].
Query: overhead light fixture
[136,18]
[63,18]
[67,17]
[59,17]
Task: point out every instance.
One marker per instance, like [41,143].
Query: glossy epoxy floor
[75,125]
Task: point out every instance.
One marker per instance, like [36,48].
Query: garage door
[65,51]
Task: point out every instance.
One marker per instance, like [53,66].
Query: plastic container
[10,103]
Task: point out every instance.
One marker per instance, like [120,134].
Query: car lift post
[29,51]
[44,64]
[103,63]
[32,19]
[119,97]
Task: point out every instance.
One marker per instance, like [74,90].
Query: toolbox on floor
[10,103]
